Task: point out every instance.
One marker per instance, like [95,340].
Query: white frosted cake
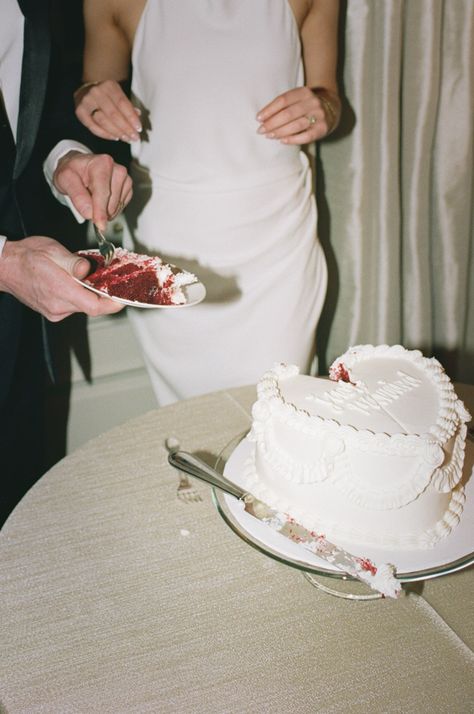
[373,455]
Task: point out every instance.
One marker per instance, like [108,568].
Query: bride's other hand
[300,115]
[104,108]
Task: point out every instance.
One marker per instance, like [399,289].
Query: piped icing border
[335,530]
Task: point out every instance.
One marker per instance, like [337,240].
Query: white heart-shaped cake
[373,455]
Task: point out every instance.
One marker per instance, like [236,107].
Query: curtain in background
[395,183]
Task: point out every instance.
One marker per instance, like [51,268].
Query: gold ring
[311,119]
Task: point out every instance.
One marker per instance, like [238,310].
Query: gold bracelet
[329,110]
[86,85]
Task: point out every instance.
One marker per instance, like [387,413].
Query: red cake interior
[129,280]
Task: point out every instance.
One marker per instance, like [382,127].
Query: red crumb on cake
[367,565]
[339,373]
[138,278]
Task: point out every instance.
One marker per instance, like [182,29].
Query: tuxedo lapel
[34,78]
[34,81]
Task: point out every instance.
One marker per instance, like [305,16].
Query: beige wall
[119,388]
[104,387]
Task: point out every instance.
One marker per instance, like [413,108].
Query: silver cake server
[380,578]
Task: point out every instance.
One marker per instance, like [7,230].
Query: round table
[118,597]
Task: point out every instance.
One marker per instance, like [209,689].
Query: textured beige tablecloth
[116,597]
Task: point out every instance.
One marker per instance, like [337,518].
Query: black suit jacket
[34,78]
[46,115]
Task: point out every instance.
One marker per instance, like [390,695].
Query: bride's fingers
[86,113]
[306,106]
[109,119]
[271,109]
[106,111]
[313,133]
[281,118]
[121,112]
[283,101]
[307,118]
[307,124]
[292,119]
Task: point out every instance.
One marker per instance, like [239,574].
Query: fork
[106,248]
[186,491]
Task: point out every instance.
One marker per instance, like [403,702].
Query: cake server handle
[194,466]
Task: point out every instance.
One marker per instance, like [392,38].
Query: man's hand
[98,187]
[38,271]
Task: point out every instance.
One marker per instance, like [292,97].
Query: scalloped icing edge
[339,475]
[447,477]
[408,541]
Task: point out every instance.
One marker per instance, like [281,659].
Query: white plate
[194,293]
[450,554]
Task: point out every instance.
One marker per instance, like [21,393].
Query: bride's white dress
[213,196]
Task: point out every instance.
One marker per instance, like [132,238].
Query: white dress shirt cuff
[49,167]
[3,240]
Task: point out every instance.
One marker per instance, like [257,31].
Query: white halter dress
[213,196]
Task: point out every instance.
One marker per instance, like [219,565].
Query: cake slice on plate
[138,278]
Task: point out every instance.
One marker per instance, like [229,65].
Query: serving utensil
[106,248]
[380,578]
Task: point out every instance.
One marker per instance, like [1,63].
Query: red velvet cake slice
[138,278]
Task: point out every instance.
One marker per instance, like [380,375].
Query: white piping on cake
[335,530]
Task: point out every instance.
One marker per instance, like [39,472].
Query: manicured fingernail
[259,117]
[270,136]
[261,130]
[138,126]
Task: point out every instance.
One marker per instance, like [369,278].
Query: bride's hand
[104,108]
[300,116]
